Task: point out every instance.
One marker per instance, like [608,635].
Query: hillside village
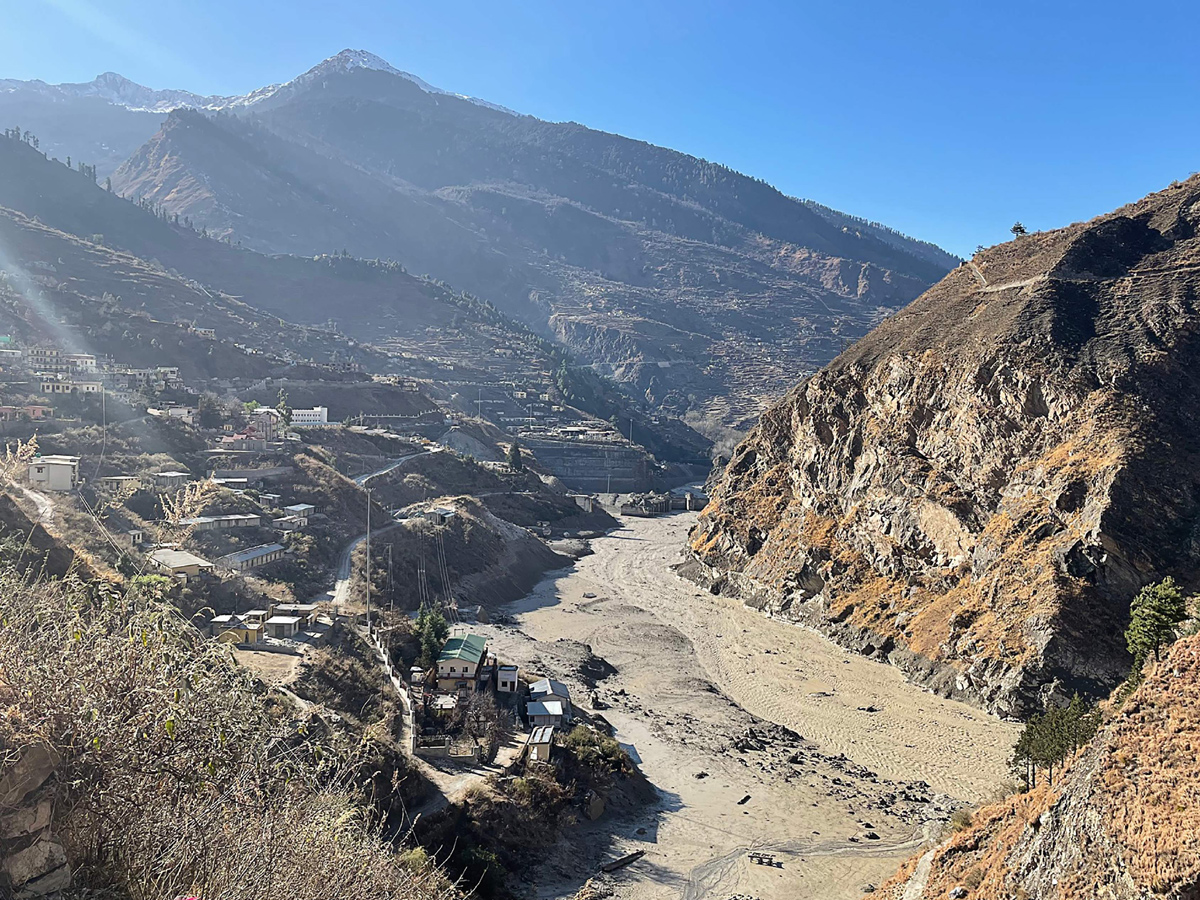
[405,497]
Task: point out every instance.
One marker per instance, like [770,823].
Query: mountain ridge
[976,490]
[652,265]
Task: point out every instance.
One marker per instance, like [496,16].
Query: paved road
[341,589]
[362,480]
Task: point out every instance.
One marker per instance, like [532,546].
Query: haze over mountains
[704,290]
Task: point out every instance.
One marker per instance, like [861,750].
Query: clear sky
[946,120]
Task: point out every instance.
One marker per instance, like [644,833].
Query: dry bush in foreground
[175,778]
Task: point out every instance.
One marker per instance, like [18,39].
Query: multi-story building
[318,415]
[54,473]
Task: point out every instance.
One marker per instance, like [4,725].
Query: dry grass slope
[1123,823]
[176,777]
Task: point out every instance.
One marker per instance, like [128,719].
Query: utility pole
[367,565]
[391,589]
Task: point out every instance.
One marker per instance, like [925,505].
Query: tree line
[1048,740]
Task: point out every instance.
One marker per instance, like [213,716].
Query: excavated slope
[976,490]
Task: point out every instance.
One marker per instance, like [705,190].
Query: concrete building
[170,480]
[180,563]
[54,473]
[306,612]
[244,633]
[222,523]
[33,410]
[439,515]
[541,740]
[459,662]
[318,415]
[252,557]
[301,511]
[283,627]
[506,679]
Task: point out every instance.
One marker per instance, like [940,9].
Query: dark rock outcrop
[33,863]
[976,490]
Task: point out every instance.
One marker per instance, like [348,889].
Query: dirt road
[759,735]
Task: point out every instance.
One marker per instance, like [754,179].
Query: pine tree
[513,457]
[1153,616]
[1018,229]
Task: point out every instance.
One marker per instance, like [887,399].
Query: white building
[54,473]
[301,512]
[283,626]
[506,679]
[318,415]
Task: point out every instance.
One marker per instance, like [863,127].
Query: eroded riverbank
[846,765]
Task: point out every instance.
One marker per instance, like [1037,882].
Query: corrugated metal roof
[543,734]
[469,647]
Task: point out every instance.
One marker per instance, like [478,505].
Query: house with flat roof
[241,560]
[306,611]
[283,627]
[220,523]
[170,480]
[179,563]
[459,662]
[506,679]
[318,415]
[301,512]
[54,473]
[439,515]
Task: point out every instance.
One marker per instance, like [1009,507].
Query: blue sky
[946,120]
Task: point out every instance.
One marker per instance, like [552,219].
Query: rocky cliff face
[976,489]
[1123,823]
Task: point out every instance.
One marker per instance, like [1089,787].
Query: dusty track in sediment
[695,671]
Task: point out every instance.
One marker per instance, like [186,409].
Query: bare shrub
[176,778]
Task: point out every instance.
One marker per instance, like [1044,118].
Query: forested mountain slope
[702,288]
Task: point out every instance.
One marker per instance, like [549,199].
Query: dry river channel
[758,735]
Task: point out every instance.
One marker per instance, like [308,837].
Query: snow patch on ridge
[120,91]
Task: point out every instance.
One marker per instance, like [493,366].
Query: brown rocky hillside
[977,489]
[1122,824]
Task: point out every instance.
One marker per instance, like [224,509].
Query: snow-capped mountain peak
[120,91]
[348,60]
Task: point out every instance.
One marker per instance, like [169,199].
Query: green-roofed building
[461,661]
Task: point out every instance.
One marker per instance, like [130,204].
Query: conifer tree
[1153,616]
[513,457]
